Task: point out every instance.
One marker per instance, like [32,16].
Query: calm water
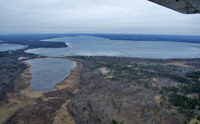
[95,46]
[47,72]
[5,47]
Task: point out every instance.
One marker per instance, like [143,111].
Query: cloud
[94,16]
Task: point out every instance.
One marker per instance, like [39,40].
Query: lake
[95,46]
[6,47]
[47,72]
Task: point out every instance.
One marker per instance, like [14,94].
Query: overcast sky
[94,16]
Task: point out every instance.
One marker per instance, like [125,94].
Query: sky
[94,16]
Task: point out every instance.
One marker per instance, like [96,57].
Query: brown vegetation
[22,105]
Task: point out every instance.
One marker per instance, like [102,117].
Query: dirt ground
[180,63]
[19,104]
[193,121]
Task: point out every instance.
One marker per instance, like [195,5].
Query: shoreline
[23,102]
[22,95]
[70,80]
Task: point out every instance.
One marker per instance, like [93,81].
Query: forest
[33,40]
[10,66]
[175,88]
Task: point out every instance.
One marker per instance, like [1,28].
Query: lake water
[95,46]
[6,47]
[47,72]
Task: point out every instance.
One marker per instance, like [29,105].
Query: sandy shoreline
[22,96]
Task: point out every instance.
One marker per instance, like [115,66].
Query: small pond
[47,72]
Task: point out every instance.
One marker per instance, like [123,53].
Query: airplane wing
[182,6]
